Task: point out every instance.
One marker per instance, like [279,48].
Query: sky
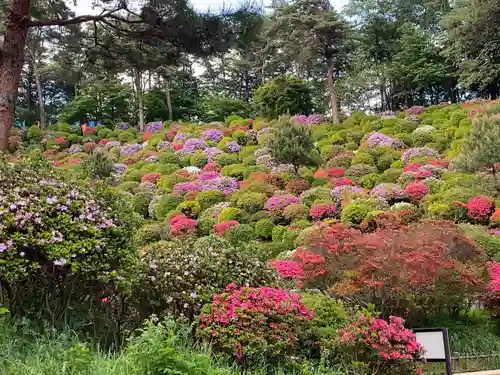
[85,6]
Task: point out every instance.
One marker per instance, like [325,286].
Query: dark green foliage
[283,95]
[141,202]
[98,166]
[292,144]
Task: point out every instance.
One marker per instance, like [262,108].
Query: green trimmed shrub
[240,234]
[204,227]
[309,197]
[141,202]
[167,203]
[149,233]
[237,171]
[355,212]
[296,211]
[362,157]
[264,228]
[169,158]
[209,198]
[233,213]
[198,159]
[190,209]
[390,175]
[340,161]
[251,202]
[490,244]
[360,170]
[226,159]
[369,181]
[278,232]
[259,215]
[129,186]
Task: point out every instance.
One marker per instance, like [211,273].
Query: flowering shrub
[387,191]
[213,135]
[193,144]
[387,347]
[343,181]
[251,323]
[492,295]
[153,127]
[131,149]
[221,228]
[279,202]
[417,152]
[181,225]
[416,270]
[53,226]
[378,139]
[232,147]
[183,276]
[479,208]
[297,186]
[323,211]
[296,211]
[89,146]
[416,191]
[150,177]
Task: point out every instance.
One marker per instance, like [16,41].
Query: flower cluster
[207,181]
[287,269]
[339,192]
[416,191]
[213,135]
[232,147]
[212,152]
[180,224]
[150,177]
[130,149]
[279,202]
[480,208]
[386,341]
[193,144]
[163,145]
[376,139]
[123,126]
[153,127]
[387,191]
[322,211]
[239,321]
[309,120]
[221,228]
[417,152]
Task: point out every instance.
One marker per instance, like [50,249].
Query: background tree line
[163,60]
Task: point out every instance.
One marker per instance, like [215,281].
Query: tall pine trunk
[11,64]
[333,94]
[41,102]
[140,102]
[169,99]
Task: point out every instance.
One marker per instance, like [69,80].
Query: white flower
[193,295]
[169,299]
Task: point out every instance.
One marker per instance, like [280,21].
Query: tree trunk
[333,94]
[11,64]
[39,91]
[140,102]
[169,99]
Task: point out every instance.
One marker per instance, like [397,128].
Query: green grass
[159,350]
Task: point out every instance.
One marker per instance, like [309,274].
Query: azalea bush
[251,324]
[61,239]
[412,271]
[386,347]
[182,276]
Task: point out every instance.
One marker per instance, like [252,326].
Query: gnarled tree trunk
[169,99]
[11,64]
[39,90]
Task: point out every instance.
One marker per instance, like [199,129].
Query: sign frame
[446,342]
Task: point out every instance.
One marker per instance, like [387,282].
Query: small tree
[480,149]
[292,144]
[283,95]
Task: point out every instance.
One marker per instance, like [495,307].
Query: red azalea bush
[341,181]
[323,211]
[181,225]
[146,136]
[423,173]
[150,177]
[62,141]
[221,228]
[176,146]
[479,207]
[495,217]
[287,269]
[104,141]
[411,168]
[254,323]
[416,270]
[387,347]
[492,295]
[336,172]
[416,191]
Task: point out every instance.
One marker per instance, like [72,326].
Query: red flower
[176,146]
[344,181]
[103,141]
[221,228]
[322,211]
[336,172]
[287,268]
[150,177]
[479,208]
[146,136]
[416,191]
[180,224]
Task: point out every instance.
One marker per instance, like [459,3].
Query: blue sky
[85,6]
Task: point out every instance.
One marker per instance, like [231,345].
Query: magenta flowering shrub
[339,192]
[207,181]
[279,202]
[492,296]
[309,120]
[388,192]
[479,207]
[182,225]
[213,135]
[388,347]
[253,323]
[287,269]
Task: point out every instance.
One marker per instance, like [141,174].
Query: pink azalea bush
[279,202]
[416,191]
[182,225]
[322,211]
[221,228]
[492,296]
[388,347]
[287,269]
[251,323]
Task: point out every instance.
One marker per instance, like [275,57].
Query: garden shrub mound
[399,210]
